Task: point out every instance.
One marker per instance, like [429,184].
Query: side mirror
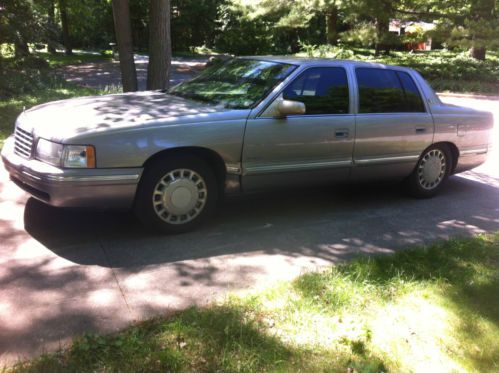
[288,107]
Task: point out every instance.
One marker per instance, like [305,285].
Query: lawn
[446,71]
[53,89]
[423,309]
[77,57]
[24,84]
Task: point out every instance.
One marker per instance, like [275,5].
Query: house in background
[414,34]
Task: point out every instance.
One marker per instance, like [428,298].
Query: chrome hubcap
[431,170]
[179,196]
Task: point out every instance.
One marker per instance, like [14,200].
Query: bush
[445,70]
[240,35]
[363,35]
[22,75]
[327,51]
[107,53]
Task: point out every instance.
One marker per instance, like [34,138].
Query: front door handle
[341,134]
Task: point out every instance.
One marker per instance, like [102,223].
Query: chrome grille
[23,143]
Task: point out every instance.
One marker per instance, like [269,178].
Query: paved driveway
[66,272]
[107,73]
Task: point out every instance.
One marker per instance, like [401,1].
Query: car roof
[307,61]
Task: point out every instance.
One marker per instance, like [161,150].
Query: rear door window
[387,91]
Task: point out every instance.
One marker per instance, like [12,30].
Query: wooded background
[248,26]
[242,27]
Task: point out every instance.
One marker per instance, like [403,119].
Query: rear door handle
[420,129]
[341,134]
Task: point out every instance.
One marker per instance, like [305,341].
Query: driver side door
[307,149]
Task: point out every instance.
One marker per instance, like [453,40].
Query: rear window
[387,91]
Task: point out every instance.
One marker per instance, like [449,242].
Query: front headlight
[67,156]
[49,152]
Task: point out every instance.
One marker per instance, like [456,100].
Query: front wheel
[176,194]
[430,173]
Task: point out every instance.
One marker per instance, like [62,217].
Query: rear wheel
[431,172]
[176,194]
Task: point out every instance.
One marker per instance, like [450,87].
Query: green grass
[31,81]
[445,70]
[427,309]
[53,88]
[60,59]
[28,82]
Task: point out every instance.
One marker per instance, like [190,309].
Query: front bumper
[94,188]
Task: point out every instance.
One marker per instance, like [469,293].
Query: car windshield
[238,83]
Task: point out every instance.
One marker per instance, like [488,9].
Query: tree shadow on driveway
[124,272]
[326,223]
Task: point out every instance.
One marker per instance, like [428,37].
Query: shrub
[362,35]
[240,34]
[22,75]
[106,53]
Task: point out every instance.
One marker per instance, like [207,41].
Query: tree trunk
[482,15]
[332,25]
[478,53]
[160,48]
[66,40]
[123,32]
[51,32]
[21,48]
[382,29]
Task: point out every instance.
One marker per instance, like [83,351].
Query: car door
[312,148]
[393,125]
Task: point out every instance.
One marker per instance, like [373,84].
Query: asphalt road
[67,272]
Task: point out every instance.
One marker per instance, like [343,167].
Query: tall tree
[380,11]
[123,31]
[299,14]
[160,51]
[66,39]
[472,24]
[332,24]
[51,27]
[18,25]
[482,27]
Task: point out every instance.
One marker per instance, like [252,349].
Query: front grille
[23,143]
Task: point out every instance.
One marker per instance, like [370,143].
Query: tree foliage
[21,22]
[253,26]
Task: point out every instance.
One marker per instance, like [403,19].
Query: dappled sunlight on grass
[56,89]
[430,309]
[77,57]
[415,333]
[427,309]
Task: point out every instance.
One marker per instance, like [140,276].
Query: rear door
[393,124]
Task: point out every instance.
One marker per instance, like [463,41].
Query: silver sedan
[248,124]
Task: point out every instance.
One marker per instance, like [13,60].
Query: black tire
[148,202]
[416,184]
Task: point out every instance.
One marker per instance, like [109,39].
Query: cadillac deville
[248,124]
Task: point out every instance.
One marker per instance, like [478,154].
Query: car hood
[61,120]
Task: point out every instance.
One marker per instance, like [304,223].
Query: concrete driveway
[67,272]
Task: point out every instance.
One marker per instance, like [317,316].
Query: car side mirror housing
[288,107]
